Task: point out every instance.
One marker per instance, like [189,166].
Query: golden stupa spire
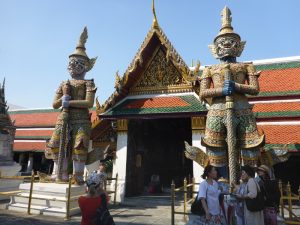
[155,23]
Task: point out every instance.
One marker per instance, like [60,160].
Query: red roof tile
[34,133]
[277,107]
[29,146]
[38,118]
[35,119]
[281,134]
[157,102]
[280,80]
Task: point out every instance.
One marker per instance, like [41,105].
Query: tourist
[155,186]
[92,201]
[102,174]
[239,206]
[209,196]
[268,183]
[251,192]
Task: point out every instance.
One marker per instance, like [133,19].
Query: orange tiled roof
[39,117]
[158,102]
[29,146]
[281,134]
[33,134]
[280,80]
[34,119]
[275,107]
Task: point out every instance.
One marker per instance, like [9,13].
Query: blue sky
[38,36]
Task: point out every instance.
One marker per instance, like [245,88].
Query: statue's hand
[65,101]
[228,88]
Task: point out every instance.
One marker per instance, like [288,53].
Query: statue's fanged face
[77,67]
[227,46]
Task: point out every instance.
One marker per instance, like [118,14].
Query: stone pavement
[142,210]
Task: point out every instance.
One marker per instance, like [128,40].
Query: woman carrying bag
[252,198]
[208,195]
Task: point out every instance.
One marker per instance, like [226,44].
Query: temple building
[155,108]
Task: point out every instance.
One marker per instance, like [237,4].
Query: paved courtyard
[137,210]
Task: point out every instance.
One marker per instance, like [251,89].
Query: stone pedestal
[9,168]
[47,199]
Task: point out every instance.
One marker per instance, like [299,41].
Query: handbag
[258,203]
[197,207]
[103,216]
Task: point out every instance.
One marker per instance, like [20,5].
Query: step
[47,199]
[20,207]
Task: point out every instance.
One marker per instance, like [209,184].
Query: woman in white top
[250,218]
[209,195]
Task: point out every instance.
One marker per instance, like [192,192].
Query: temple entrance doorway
[156,147]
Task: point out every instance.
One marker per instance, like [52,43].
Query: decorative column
[198,128]
[119,164]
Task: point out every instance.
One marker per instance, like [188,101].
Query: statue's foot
[77,180]
[53,177]
[43,177]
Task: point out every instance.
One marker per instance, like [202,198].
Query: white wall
[197,169]
[119,165]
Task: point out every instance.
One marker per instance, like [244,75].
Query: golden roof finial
[99,108]
[155,23]
[118,79]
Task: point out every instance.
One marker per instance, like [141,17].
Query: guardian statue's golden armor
[231,134]
[70,138]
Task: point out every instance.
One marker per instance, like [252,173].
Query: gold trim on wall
[122,125]
[198,123]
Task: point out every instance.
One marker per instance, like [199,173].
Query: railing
[15,193]
[68,200]
[188,190]
[287,201]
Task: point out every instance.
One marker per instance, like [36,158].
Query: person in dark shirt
[269,185]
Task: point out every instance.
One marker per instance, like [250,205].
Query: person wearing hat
[271,190]
[75,97]
[92,201]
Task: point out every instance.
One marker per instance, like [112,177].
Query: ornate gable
[156,68]
[160,75]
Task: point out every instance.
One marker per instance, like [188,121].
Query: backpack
[103,216]
[258,203]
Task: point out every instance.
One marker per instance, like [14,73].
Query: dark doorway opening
[156,147]
[288,172]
